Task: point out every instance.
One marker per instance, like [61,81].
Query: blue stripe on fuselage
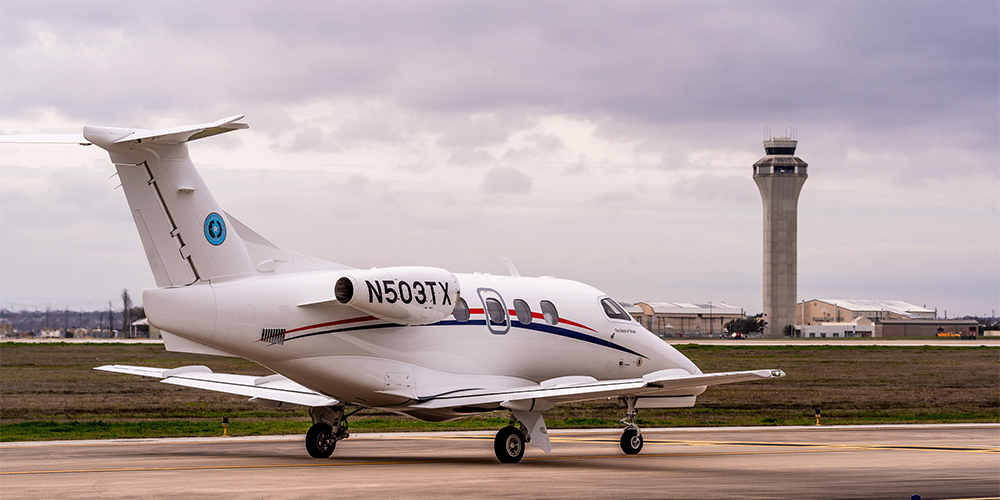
[539,327]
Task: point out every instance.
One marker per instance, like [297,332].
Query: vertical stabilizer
[186,235]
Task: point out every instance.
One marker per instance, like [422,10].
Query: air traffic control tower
[780,176]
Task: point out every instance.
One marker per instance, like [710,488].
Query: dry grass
[55,383]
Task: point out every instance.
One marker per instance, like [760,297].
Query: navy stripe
[348,329]
[539,327]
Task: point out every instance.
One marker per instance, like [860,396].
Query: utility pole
[710,323]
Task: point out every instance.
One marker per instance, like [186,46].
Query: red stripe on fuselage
[535,315]
[333,323]
[578,325]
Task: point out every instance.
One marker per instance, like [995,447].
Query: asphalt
[933,461]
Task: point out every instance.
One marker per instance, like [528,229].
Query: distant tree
[137,313]
[752,324]
[788,330]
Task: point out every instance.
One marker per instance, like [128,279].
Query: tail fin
[185,233]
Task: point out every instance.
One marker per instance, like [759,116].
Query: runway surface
[935,462]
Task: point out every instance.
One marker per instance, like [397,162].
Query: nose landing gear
[631,441]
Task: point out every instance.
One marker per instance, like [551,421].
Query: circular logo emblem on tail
[215,229]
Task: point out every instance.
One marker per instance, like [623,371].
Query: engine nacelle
[404,295]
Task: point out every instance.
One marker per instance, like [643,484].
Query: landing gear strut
[329,426]
[631,440]
[509,444]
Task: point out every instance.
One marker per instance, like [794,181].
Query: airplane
[418,341]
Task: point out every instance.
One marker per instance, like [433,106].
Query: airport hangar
[817,318]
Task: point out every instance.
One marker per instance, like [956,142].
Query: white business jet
[419,341]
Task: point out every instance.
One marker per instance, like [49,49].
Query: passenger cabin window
[523,311]
[613,310]
[495,311]
[461,311]
[549,312]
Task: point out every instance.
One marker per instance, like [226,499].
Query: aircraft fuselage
[347,354]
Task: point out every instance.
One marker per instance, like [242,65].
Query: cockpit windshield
[613,310]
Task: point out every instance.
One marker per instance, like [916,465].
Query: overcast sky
[610,143]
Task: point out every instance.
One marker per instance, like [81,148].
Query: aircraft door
[495,309]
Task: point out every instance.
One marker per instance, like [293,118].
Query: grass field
[49,391]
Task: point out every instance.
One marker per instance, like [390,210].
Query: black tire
[319,441]
[509,445]
[631,442]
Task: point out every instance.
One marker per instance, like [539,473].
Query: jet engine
[403,295]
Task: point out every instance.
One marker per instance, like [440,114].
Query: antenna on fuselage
[511,268]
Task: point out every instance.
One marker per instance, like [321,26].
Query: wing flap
[272,387]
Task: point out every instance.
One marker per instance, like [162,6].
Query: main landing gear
[631,440]
[510,443]
[329,426]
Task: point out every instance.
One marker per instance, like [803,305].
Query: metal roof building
[665,318]
[818,311]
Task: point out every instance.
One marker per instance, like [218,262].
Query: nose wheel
[631,440]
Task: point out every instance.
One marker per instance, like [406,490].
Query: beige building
[874,318]
[678,318]
[824,311]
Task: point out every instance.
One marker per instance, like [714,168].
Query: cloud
[592,113]
[502,180]
[470,157]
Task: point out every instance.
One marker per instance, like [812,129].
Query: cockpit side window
[614,311]
[461,310]
[523,311]
[549,312]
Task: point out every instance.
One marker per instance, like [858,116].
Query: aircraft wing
[650,385]
[273,388]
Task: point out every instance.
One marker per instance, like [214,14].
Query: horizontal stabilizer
[186,133]
[273,387]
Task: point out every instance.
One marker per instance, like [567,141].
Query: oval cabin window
[523,311]
[549,312]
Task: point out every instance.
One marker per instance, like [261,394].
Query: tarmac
[892,461]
